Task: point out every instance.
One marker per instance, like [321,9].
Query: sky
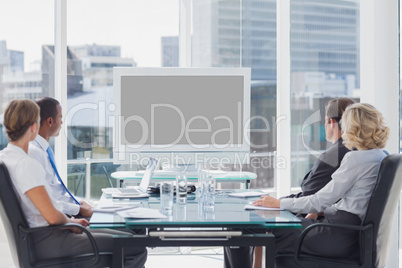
[135,25]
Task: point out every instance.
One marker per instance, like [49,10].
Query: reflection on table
[190,225]
[229,212]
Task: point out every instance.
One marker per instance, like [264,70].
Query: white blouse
[26,173]
[352,183]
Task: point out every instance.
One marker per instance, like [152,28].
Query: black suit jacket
[320,174]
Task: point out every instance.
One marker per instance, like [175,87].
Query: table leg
[270,253]
[121,183]
[118,259]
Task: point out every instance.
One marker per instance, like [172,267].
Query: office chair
[19,234]
[374,232]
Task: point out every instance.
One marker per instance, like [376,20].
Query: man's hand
[268,201]
[82,222]
[85,204]
[86,210]
[313,216]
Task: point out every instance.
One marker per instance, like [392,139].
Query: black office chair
[19,234]
[374,231]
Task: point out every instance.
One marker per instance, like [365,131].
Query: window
[324,65]
[102,35]
[242,34]
[25,71]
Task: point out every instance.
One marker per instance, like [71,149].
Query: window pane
[101,35]
[243,34]
[24,36]
[324,65]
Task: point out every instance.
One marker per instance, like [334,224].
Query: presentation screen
[190,110]
[182,109]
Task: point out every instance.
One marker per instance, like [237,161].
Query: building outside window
[324,64]
[100,39]
[21,73]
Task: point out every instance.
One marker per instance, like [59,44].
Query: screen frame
[120,150]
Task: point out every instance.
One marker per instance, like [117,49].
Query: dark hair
[19,116]
[48,108]
[336,107]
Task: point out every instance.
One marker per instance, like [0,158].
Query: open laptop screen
[146,179]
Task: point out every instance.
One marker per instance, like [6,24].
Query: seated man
[329,161]
[50,125]
[319,175]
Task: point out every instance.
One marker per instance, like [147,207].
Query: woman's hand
[268,201]
[43,203]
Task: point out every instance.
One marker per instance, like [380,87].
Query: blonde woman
[21,120]
[345,198]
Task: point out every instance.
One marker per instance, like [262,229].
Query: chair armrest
[366,231]
[63,226]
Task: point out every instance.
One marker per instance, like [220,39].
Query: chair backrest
[382,205]
[13,218]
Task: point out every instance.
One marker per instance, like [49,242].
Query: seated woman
[21,119]
[352,184]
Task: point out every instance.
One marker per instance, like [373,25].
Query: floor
[161,257]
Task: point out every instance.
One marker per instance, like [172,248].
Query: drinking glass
[166,195]
[181,188]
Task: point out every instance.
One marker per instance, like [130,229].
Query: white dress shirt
[37,150]
[26,173]
[353,183]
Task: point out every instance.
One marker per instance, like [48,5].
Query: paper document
[248,194]
[141,213]
[110,209]
[252,207]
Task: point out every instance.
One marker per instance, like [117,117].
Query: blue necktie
[51,158]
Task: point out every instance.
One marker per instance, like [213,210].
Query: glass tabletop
[228,212]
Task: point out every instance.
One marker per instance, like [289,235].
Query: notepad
[248,194]
[111,209]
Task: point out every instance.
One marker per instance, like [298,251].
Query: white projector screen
[181,110]
[210,108]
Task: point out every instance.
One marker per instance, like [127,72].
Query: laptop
[137,191]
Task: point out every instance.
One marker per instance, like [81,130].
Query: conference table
[190,224]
